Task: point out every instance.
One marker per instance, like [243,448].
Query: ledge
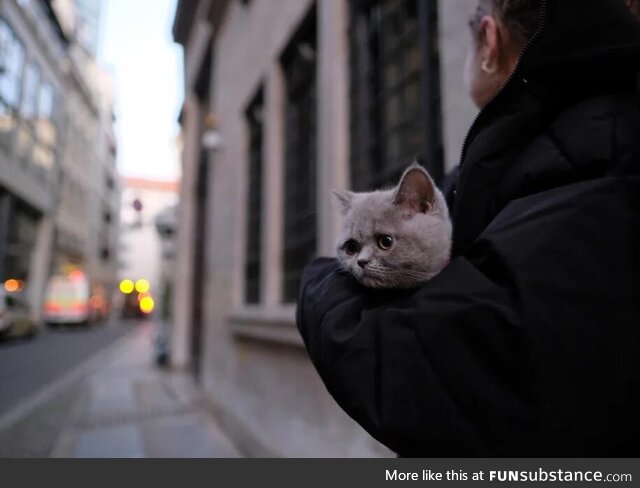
[277,325]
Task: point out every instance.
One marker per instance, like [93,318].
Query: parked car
[67,300]
[15,316]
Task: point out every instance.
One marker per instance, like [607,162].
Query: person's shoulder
[588,133]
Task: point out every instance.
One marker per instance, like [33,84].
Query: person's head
[499,31]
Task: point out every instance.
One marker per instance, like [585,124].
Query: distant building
[282,104]
[142,250]
[104,187]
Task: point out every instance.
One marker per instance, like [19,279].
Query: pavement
[118,404]
[29,365]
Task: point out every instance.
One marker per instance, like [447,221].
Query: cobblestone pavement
[124,407]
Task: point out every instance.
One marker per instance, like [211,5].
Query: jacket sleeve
[500,342]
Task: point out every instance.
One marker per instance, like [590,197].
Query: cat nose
[363,262]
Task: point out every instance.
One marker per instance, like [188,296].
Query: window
[110,184]
[299,64]
[45,128]
[105,254]
[7,124]
[25,140]
[395,105]
[46,102]
[21,240]
[255,122]
[11,63]
[29,105]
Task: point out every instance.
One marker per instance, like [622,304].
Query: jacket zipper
[530,42]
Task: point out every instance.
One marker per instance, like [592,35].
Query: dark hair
[520,17]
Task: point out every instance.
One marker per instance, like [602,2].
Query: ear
[344,198]
[490,39]
[416,191]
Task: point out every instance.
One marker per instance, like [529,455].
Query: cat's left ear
[416,190]
[344,198]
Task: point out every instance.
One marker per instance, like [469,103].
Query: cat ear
[345,199]
[416,190]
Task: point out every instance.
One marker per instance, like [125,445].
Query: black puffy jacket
[528,342]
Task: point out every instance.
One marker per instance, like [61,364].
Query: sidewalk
[127,407]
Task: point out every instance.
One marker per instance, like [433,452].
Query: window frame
[374,161]
[300,67]
[255,125]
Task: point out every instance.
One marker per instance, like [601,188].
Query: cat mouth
[370,279]
[375,279]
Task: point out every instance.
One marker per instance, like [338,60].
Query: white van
[67,301]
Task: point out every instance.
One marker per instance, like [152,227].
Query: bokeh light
[11,285]
[96,301]
[142,286]
[147,305]
[76,275]
[126,286]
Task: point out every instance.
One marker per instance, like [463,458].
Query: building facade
[87,216]
[59,189]
[80,111]
[32,137]
[282,105]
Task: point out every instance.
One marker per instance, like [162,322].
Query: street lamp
[211,138]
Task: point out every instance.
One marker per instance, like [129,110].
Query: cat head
[395,238]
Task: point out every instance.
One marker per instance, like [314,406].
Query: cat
[397,238]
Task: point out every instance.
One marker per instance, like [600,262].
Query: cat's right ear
[345,199]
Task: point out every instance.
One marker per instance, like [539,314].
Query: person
[528,342]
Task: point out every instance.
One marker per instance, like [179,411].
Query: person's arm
[475,356]
[436,364]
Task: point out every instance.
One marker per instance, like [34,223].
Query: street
[28,365]
[97,392]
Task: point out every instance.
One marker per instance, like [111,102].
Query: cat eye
[351,247]
[385,242]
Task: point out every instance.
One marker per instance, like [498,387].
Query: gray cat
[395,238]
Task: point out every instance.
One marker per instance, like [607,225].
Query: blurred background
[166,169]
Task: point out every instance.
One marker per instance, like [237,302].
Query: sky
[137,48]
